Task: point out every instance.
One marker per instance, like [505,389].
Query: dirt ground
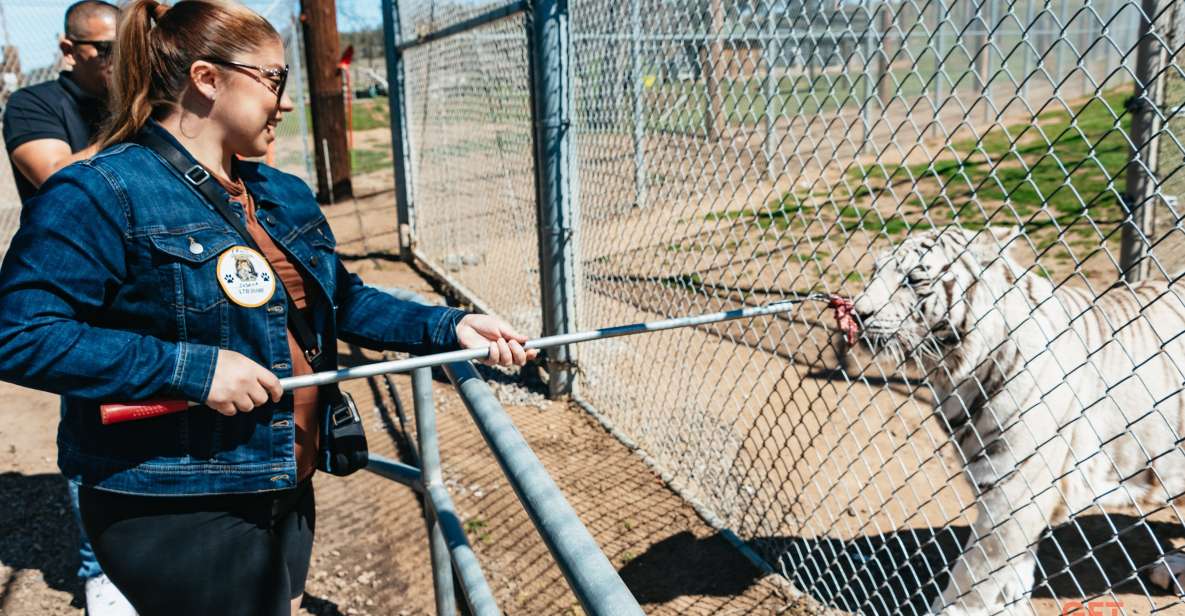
[370,556]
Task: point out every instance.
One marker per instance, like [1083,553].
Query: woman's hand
[240,384]
[506,345]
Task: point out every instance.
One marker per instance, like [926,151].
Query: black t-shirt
[56,109]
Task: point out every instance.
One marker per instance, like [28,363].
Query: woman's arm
[374,319]
[65,260]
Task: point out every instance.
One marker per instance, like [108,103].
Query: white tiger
[1057,398]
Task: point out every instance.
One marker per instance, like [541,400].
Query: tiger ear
[993,242]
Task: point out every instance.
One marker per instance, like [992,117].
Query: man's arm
[41,158]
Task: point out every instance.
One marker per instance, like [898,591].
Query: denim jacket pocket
[322,261]
[188,264]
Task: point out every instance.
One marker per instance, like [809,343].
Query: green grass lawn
[1065,165]
[371,113]
[368,114]
[368,160]
[1063,170]
[682,105]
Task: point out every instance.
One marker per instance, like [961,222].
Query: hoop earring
[181,123]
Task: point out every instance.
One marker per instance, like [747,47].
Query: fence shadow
[676,566]
[38,532]
[901,572]
[318,606]
[894,572]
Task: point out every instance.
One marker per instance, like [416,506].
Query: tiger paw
[1170,574]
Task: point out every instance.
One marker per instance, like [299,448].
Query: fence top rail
[494,14]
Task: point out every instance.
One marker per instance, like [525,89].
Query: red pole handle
[119,412]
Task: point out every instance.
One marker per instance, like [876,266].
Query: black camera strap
[199,178]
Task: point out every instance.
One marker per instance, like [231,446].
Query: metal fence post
[551,86]
[884,67]
[638,103]
[771,53]
[874,71]
[442,572]
[399,147]
[939,51]
[711,65]
[297,77]
[1029,52]
[1142,184]
[591,576]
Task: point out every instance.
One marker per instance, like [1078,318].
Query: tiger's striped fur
[1058,397]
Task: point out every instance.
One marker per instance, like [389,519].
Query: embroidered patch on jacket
[246,277]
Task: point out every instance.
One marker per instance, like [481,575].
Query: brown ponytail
[157,44]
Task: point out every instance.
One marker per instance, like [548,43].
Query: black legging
[242,554]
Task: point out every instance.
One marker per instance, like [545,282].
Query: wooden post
[319,22]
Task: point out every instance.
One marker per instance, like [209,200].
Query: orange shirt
[304,400]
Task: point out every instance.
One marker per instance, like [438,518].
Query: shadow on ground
[38,531]
[319,606]
[902,572]
[894,572]
[675,566]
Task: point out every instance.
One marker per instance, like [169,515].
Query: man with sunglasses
[50,125]
[46,127]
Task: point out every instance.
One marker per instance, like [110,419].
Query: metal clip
[343,414]
[197,174]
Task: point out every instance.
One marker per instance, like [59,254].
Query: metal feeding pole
[547,342]
[159,407]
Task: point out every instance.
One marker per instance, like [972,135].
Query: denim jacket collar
[256,184]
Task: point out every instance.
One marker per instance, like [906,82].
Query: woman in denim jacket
[124,283]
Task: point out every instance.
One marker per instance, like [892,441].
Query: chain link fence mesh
[469,126]
[1006,436]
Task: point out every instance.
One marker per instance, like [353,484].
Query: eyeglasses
[102,48]
[274,79]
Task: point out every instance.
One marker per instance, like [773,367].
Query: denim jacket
[109,293]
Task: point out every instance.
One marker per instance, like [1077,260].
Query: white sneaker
[104,599]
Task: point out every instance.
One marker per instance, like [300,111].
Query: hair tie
[157,9]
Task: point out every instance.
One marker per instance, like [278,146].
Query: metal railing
[590,575]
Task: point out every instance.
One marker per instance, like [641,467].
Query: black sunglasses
[275,79]
[102,48]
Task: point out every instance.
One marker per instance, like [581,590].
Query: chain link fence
[1006,435]
[469,125]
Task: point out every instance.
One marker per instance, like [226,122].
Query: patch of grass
[367,114]
[476,527]
[1067,162]
[780,214]
[371,113]
[682,106]
[367,160]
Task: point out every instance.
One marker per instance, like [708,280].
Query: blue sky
[33,25]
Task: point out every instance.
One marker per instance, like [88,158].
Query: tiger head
[940,290]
